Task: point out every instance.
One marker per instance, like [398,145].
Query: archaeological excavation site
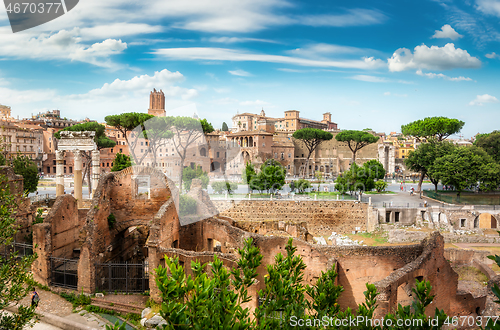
[113,242]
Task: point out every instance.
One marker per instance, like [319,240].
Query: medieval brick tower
[157,103]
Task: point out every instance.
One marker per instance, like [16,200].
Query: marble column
[59,173]
[77,155]
[96,169]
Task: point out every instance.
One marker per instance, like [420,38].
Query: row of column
[78,158]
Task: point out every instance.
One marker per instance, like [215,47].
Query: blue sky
[370,63]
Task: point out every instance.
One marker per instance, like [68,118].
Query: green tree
[188,174]
[100,138]
[224,127]
[301,185]
[206,126]
[2,160]
[14,272]
[121,162]
[271,176]
[359,178]
[312,138]
[186,131]
[224,186]
[490,143]
[200,301]
[248,174]
[432,128]
[465,167]
[24,166]
[125,123]
[158,134]
[422,159]
[380,185]
[375,169]
[356,140]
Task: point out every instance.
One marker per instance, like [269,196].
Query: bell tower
[157,103]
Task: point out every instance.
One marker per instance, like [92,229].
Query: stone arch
[487,220]
[405,286]
[215,167]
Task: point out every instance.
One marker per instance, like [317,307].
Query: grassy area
[371,239]
[378,193]
[469,273]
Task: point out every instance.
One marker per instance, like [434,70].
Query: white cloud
[256,102]
[489,7]
[117,30]
[446,32]
[65,45]
[232,40]
[163,79]
[394,94]
[485,98]
[443,76]
[367,78]
[221,90]
[223,101]
[14,97]
[225,54]
[492,55]
[241,73]
[432,58]
[354,17]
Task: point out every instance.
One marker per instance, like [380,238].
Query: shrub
[187,205]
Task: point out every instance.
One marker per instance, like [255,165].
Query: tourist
[35,298]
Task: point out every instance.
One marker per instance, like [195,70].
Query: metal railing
[122,277]
[64,272]
[22,249]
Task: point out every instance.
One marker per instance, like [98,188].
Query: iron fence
[22,249]
[64,272]
[122,277]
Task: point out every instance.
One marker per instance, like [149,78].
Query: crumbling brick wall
[322,217]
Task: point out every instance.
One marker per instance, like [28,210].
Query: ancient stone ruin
[133,221]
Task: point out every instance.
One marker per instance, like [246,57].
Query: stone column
[96,169]
[77,155]
[59,173]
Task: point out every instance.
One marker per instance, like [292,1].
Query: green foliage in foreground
[14,275]
[214,298]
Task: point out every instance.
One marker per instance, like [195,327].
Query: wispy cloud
[240,73]
[443,76]
[395,94]
[225,54]
[367,78]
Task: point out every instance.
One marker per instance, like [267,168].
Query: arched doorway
[486,220]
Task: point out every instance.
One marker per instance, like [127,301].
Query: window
[387,216]
[107,164]
[111,150]
[289,155]
[263,144]
[121,150]
[275,155]
[142,143]
[462,222]
[48,169]
[217,154]
[396,216]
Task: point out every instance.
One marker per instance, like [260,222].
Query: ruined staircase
[116,306]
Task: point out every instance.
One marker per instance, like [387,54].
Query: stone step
[118,309]
[126,307]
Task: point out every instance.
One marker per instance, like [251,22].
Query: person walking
[35,298]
